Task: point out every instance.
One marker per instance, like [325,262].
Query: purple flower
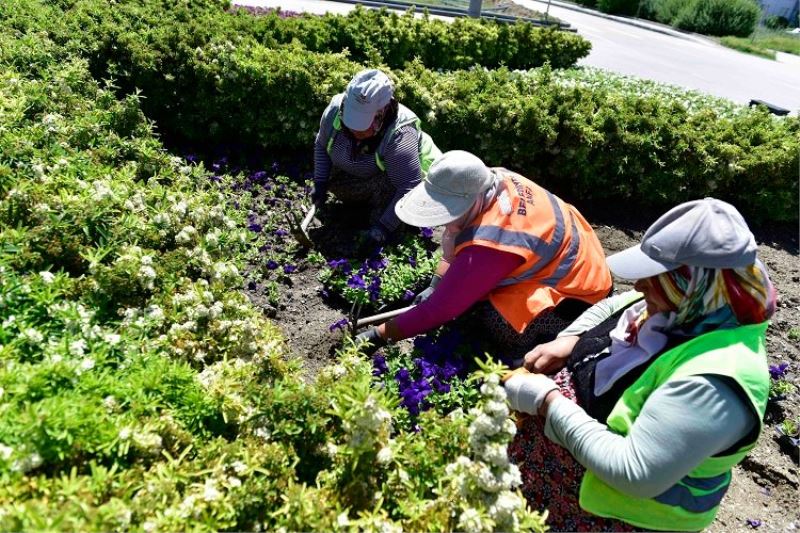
[272,265]
[412,261]
[778,371]
[408,295]
[379,366]
[377,264]
[427,233]
[191,158]
[754,522]
[252,285]
[344,264]
[288,269]
[402,376]
[339,324]
[280,232]
[356,282]
[255,227]
[374,288]
[258,176]
[324,292]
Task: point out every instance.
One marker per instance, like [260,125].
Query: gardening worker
[526,261]
[671,383]
[370,149]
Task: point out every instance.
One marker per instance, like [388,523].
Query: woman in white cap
[671,383]
[376,145]
[526,261]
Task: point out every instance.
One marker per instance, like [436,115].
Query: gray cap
[367,93]
[454,182]
[706,233]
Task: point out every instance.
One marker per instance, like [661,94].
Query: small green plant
[794,334]
[781,388]
[790,427]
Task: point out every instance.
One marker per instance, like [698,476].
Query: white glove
[526,392]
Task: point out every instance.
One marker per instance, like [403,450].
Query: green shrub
[719,17]
[664,11]
[619,7]
[776,22]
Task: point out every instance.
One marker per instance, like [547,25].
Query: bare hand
[552,356]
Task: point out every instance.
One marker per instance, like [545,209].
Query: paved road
[687,61]
[692,62]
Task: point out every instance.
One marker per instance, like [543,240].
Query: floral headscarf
[717,298]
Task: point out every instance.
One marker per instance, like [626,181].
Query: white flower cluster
[102,191]
[487,480]
[369,424]
[140,263]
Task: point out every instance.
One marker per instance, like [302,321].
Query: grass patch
[748,46]
[780,41]
[764,43]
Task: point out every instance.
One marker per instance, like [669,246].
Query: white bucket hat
[367,93]
[454,182]
[706,233]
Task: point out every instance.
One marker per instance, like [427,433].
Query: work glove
[424,295]
[319,194]
[526,392]
[372,239]
[370,339]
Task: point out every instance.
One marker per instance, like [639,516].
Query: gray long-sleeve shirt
[684,422]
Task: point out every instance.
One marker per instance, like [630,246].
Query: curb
[651,26]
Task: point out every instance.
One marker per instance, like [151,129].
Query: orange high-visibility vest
[562,256]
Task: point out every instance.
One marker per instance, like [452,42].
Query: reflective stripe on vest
[546,251]
[682,494]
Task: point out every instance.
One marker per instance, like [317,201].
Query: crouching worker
[370,150]
[525,260]
[663,389]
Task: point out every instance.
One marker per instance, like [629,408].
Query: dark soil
[765,485]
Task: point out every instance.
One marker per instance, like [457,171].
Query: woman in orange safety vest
[529,260]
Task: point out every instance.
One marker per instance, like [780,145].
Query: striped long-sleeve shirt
[401,158]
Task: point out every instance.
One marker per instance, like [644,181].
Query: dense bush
[711,17]
[719,17]
[394,39]
[619,7]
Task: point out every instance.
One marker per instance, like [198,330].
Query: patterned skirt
[508,344]
[551,477]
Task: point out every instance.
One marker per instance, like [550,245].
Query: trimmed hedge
[395,39]
[587,141]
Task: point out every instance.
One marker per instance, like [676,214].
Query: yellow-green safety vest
[692,503]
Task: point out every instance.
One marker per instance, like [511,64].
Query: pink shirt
[474,273]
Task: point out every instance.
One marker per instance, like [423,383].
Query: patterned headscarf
[717,298]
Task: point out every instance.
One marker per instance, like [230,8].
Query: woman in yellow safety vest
[660,390]
[370,149]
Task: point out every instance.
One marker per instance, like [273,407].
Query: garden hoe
[299,230]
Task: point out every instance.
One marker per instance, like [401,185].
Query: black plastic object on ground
[775,110]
